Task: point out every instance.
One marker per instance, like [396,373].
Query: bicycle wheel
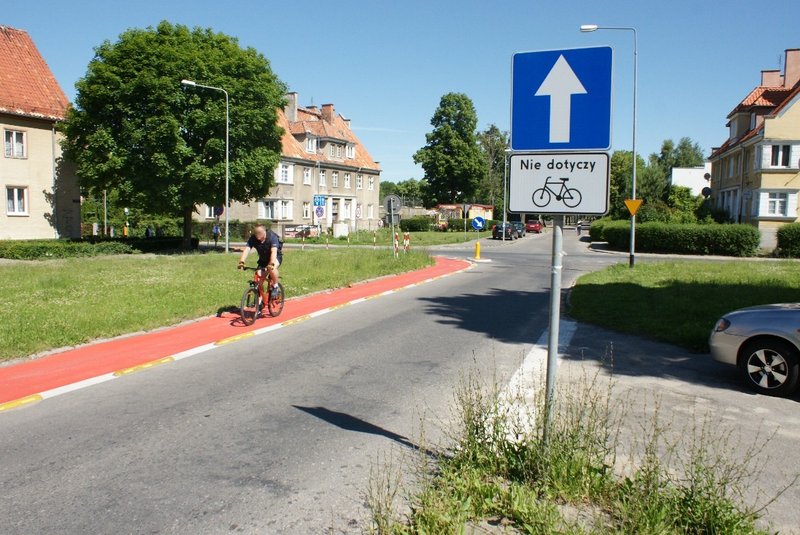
[275,304]
[250,305]
[572,198]
[541,197]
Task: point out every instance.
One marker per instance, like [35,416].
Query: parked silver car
[763,342]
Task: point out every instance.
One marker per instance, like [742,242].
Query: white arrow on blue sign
[478,223]
[561,99]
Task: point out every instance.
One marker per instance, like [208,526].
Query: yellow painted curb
[337,307]
[233,338]
[140,367]
[296,320]
[7,406]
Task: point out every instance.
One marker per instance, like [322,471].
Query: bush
[596,230]
[713,239]
[48,249]
[416,224]
[789,240]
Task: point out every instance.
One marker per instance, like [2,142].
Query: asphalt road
[278,433]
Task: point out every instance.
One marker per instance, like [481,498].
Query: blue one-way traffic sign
[561,100]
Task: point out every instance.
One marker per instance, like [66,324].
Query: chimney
[291,107]
[791,67]
[327,113]
[771,78]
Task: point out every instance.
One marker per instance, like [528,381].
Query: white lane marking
[518,399]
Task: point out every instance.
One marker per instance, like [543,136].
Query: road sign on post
[478,223]
[633,205]
[319,200]
[561,119]
[561,99]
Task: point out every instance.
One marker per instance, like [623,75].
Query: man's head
[260,232]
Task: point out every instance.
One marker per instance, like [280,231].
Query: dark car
[533,226]
[520,226]
[507,229]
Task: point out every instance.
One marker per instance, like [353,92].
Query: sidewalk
[33,380]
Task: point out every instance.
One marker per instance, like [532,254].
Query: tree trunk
[188,211]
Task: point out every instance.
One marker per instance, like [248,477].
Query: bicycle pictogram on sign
[571,197]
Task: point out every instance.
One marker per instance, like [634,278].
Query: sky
[386,64]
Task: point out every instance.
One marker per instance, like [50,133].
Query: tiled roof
[762,97]
[312,121]
[27,87]
[775,98]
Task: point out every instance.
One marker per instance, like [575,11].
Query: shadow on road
[510,316]
[351,423]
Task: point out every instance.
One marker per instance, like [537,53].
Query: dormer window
[311,144]
[351,151]
[338,151]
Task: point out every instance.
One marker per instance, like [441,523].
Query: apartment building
[755,174]
[326,177]
[40,188]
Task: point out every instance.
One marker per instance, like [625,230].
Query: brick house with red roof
[321,158]
[755,174]
[42,199]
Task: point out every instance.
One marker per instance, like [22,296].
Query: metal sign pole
[555,315]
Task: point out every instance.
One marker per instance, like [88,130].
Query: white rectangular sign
[559,183]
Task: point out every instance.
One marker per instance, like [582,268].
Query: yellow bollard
[477,250]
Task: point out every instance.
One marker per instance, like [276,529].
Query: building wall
[51,191]
[299,192]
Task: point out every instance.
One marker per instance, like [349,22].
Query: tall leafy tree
[621,171]
[161,146]
[493,143]
[411,190]
[451,158]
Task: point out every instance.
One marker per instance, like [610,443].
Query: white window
[286,210]
[17,201]
[359,181]
[335,179]
[730,166]
[306,210]
[347,180]
[780,155]
[266,209]
[371,183]
[346,209]
[331,150]
[15,144]
[311,144]
[370,211]
[307,176]
[351,151]
[338,151]
[322,179]
[285,175]
[209,212]
[777,203]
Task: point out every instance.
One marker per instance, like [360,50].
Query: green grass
[384,238]
[501,472]
[679,302]
[58,303]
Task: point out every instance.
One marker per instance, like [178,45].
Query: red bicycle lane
[29,381]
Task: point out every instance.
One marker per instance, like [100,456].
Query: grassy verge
[384,238]
[678,302]
[46,305]
[502,473]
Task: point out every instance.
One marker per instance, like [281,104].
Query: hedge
[46,249]
[416,224]
[789,240]
[695,239]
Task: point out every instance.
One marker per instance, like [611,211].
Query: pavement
[31,381]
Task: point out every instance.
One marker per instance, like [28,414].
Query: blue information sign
[561,99]
[319,200]
[478,223]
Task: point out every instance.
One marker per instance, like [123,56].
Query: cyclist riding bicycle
[268,246]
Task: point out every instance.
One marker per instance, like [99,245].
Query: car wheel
[770,367]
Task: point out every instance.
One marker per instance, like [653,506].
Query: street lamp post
[595,27]
[227,155]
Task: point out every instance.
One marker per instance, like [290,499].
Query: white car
[763,342]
